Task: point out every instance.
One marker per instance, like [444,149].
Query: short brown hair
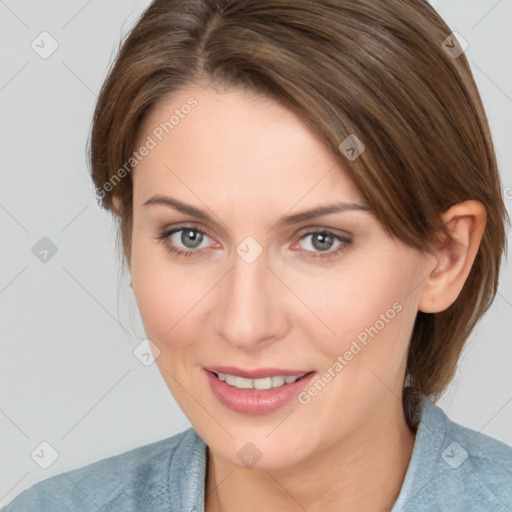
[378,69]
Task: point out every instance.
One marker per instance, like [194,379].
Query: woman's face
[261,291]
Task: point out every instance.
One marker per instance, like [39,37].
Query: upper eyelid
[304,230]
[174,229]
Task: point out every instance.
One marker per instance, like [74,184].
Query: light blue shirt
[452,469]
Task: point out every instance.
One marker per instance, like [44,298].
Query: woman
[311,213]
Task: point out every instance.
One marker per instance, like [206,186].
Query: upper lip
[255,373]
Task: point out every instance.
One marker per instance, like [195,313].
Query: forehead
[241,143]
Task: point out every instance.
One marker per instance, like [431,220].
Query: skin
[249,161]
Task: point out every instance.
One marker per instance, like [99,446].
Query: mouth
[256,391]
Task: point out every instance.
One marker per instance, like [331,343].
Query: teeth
[259,384]
[243,383]
[277,381]
[265,383]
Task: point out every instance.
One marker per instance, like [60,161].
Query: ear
[455,256]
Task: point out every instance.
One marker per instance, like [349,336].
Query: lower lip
[256,402]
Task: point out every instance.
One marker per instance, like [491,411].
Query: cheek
[368,309]
[172,297]
[163,291]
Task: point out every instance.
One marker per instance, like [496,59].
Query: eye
[186,241]
[322,241]
[188,237]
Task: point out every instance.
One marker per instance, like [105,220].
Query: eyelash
[320,255]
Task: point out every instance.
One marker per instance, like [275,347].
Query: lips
[256,401]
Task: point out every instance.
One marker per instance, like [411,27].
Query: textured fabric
[452,469]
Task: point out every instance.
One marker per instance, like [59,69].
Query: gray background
[69,325]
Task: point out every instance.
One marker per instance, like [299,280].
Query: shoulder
[462,469]
[128,481]
[476,465]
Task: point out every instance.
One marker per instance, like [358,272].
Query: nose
[251,310]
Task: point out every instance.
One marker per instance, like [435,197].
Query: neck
[363,471]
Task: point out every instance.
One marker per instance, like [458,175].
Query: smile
[256,392]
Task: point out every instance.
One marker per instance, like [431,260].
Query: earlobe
[116,205]
[455,256]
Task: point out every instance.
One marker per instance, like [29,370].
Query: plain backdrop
[68,375]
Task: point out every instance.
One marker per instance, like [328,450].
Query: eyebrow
[319,211]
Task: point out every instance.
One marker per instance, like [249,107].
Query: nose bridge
[247,316]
